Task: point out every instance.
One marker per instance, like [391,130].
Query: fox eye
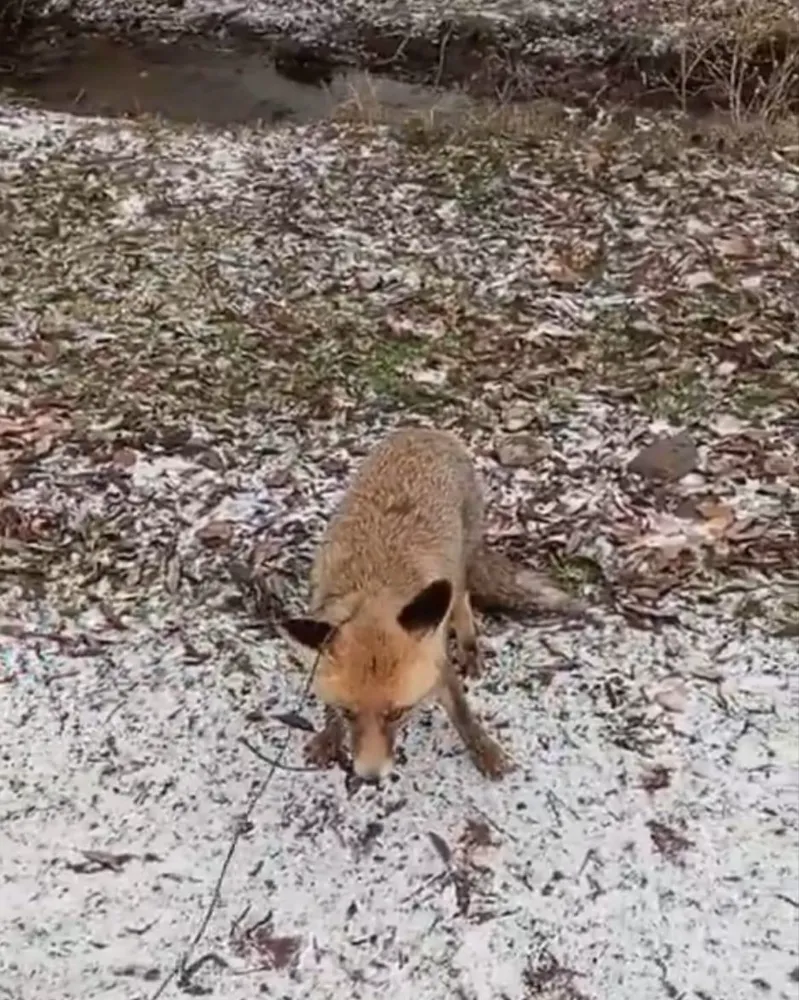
[394,714]
[346,712]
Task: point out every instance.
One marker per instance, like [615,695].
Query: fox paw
[324,749]
[470,660]
[490,759]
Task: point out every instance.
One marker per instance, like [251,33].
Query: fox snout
[372,749]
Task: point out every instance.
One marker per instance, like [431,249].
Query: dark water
[186,82]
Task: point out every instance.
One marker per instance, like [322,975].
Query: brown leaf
[125,458]
[476,833]
[719,518]
[280,951]
[669,842]
[97,861]
[43,445]
[672,695]
[296,721]
[518,450]
[216,532]
[441,846]
[656,778]
[463,892]
[735,246]
[780,465]
[264,551]
[173,573]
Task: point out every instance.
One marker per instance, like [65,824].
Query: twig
[382,63]
[272,761]
[442,54]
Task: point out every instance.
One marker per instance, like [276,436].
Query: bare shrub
[742,57]
[17,19]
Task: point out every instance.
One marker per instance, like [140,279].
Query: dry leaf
[700,279]
[719,518]
[735,246]
[672,535]
[218,532]
[727,425]
[671,695]
[125,458]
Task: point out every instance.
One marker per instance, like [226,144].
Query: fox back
[388,574]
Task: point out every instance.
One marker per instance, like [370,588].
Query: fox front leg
[326,747]
[487,755]
[470,659]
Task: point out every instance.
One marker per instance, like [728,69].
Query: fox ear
[427,610]
[309,632]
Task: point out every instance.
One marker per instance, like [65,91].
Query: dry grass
[732,71]
[749,129]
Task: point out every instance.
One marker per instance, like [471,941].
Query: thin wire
[180,968]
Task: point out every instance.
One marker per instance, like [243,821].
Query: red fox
[390,577]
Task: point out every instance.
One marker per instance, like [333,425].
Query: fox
[390,580]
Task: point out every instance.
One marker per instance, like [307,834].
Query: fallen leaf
[518,416]
[216,532]
[476,833]
[668,841]
[125,458]
[719,518]
[96,861]
[780,465]
[173,573]
[656,778]
[700,279]
[279,950]
[441,846]
[520,450]
[296,721]
[726,425]
[735,246]
[672,695]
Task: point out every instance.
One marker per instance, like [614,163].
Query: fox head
[374,667]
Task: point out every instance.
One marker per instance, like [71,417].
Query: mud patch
[190,82]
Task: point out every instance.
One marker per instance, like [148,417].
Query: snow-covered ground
[648,843]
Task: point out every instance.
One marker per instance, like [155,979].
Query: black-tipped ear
[309,632]
[427,610]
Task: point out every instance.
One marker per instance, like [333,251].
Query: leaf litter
[191,322]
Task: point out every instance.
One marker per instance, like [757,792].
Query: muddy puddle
[190,83]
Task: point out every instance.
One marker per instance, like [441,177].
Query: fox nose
[372,772]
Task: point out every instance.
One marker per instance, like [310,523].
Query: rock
[519,450]
[666,458]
